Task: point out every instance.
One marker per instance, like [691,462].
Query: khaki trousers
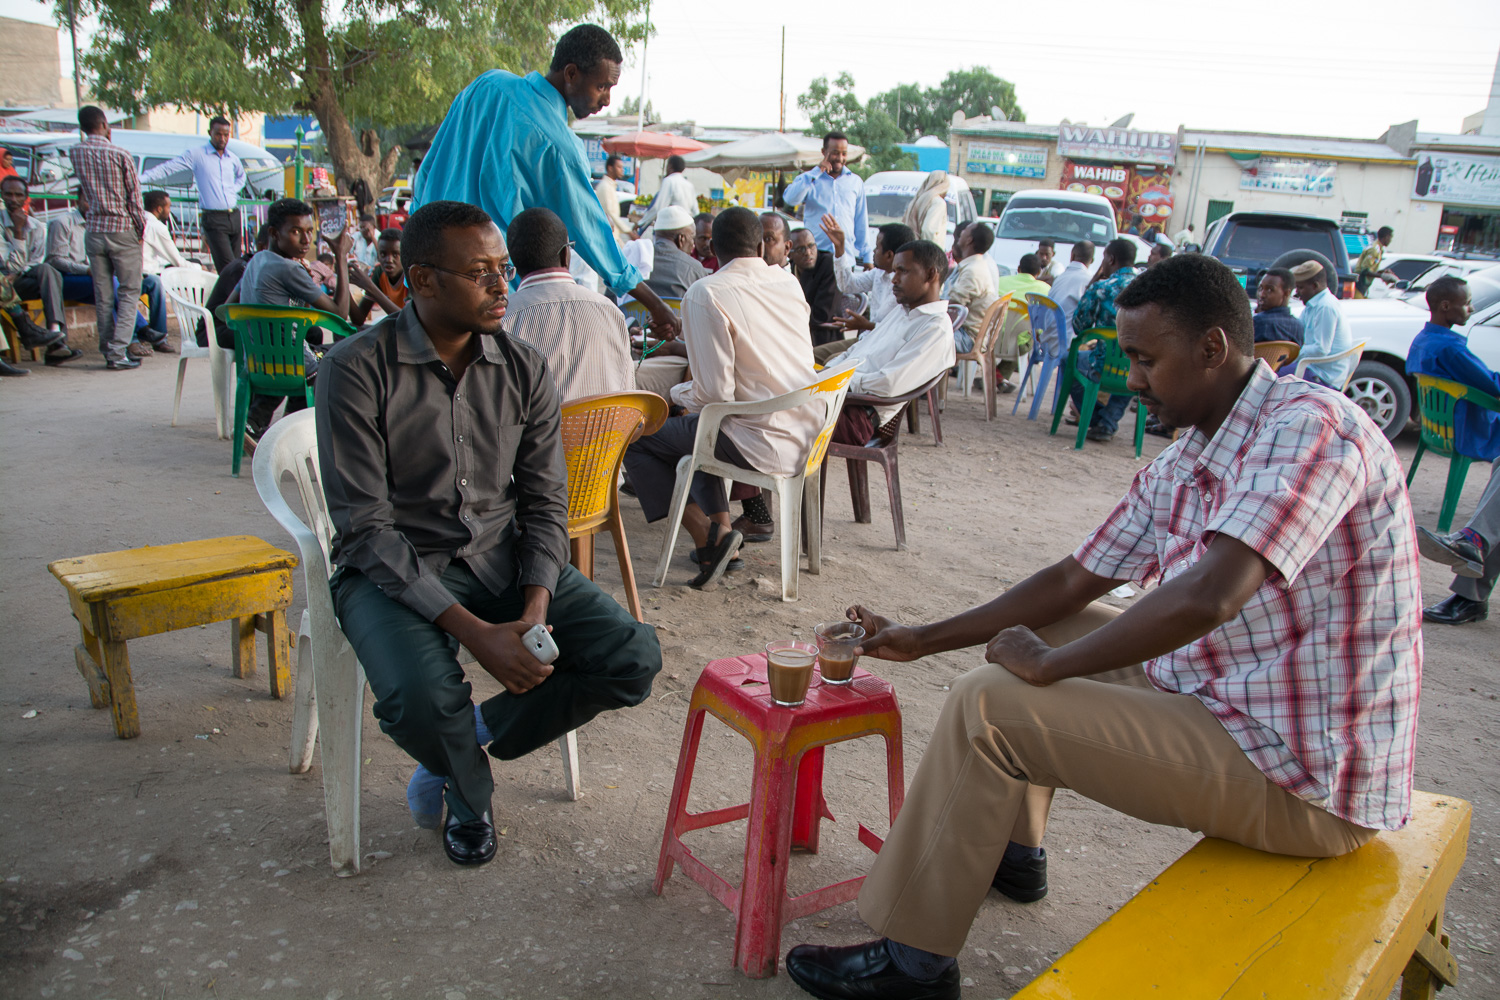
[1001,746]
[823,353]
[658,375]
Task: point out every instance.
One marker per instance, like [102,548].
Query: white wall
[1381,190]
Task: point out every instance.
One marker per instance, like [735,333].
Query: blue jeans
[1106,416]
[80,288]
[151,288]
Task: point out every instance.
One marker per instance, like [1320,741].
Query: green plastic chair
[268,348]
[1438,398]
[1114,372]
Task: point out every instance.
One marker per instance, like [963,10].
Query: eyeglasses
[484,279]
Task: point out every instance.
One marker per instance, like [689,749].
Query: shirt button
[463,482]
[460,437]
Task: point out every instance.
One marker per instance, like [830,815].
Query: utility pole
[781,121]
[73,32]
[640,118]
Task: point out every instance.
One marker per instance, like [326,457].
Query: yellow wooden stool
[124,595]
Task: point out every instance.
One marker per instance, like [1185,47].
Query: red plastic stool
[786,797]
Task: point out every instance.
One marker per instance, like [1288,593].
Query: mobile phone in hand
[539,642]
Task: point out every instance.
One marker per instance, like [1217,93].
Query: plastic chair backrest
[1277,353]
[187,290]
[1114,365]
[1438,399]
[994,321]
[636,311]
[958,315]
[290,449]
[268,342]
[830,388]
[596,430]
[1355,352]
[1049,328]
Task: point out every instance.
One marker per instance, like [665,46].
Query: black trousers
[221,232]
[606,660]
[651,464]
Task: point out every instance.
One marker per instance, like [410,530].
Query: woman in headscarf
[927,215]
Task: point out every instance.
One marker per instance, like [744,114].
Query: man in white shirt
[158,246]
[875,283]
[676,189]
[745,327]
[1068,286]
[908,348]
[366,250]
[1325,331]
[581,333]
[609,199]
[973,284]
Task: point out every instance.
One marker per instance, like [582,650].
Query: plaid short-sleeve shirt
[1317,678]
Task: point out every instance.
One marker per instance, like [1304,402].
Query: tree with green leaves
[974,91]
[835,108]
[359,66]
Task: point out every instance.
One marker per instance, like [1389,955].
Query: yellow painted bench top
[1232,923]
[154,568]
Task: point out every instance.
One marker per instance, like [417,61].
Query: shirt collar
[1323,298]
[414,347]
[930,308]
[548,93]
[1447,331]
[31,220]
[1218,454]
[744,264]
[545,274]
[1275,311]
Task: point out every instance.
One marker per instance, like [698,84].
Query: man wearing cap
[1325,331]
[673,268]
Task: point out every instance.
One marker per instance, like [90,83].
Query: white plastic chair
[1355,352]
[797,494]
[330,682]
[187,290]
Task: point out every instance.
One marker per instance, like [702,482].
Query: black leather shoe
[863,972]
[471,843]
[61,357]
[33,335]
[6,368]
[123,365]
[1457,610]
[1025,882]
[1466,558]
[1103,437]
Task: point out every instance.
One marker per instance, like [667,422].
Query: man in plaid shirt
[1265,692]
[116,225]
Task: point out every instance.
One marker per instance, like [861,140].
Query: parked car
[1251,242]
[1063,216]
[888,194]
[1415,271]
[1381,385]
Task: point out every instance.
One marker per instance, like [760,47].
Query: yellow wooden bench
[117,596]
[1231,923]
[10,337]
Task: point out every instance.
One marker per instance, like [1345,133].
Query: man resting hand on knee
[1264,693]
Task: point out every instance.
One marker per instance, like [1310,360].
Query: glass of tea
[836,643]
[789,668]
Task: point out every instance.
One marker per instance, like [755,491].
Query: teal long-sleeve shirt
[506,147]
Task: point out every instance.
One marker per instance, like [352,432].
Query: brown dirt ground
[175,865]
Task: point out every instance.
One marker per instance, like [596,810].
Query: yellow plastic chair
[635,312]
[1277,353]
[596,430]
[1438,398]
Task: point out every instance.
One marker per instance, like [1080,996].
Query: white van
[888,194]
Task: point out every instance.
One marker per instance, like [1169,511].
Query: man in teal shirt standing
[506,147]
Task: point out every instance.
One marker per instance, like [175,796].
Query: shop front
[1132,169]
[1469,189]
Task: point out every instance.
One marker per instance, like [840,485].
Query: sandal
[721,550]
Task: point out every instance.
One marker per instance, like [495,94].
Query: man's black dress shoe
[863,972]
[62,357]
[1457,610]
[1025,882]
[6,368]
[471,843]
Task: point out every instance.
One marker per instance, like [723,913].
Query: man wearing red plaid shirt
[1264,692]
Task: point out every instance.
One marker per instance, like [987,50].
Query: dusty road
[189,863]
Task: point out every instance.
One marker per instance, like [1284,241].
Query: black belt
[217,211]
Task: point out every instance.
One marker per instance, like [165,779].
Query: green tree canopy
[835,108]
[383,64]
[918,112]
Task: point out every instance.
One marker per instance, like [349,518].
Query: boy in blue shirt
[1473,552]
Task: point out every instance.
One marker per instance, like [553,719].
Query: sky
[1343,69]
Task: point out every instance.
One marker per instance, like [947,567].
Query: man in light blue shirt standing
[506,147]
[1325,331]
[219,175]
[831,188]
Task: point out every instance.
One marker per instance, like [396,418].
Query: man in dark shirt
[703,251]
[1273,320]
[439,441]
[814,269]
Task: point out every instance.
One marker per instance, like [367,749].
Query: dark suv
[1251,242]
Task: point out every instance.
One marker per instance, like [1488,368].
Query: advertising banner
[1268,173]
[1080,142]
[1011,161]
[1141,195]
[1458,180]
[593,150]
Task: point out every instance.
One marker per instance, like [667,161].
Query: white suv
[1064,216]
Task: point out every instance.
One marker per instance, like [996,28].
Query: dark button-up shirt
[1277,324]
[421,469]
[822,293]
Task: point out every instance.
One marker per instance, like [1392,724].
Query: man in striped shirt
[1264,692]
[116,226]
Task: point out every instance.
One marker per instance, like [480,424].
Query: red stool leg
[677,808]
[895,772]
[768,845]
[809,806]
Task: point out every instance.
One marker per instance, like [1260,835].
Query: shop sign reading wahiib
[1120,144]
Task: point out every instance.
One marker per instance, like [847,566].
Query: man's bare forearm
[1044,598]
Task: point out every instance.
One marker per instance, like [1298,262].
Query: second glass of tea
[836,644]
[789,669]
